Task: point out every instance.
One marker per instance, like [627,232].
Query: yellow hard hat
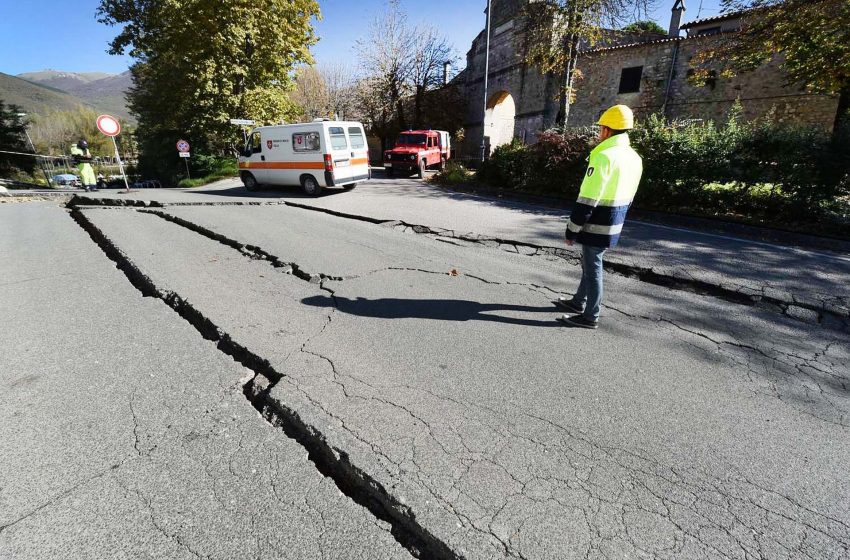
[618,117]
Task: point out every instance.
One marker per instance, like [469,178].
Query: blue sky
[64,35]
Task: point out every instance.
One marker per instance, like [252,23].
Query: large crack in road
[331,462]
[333,458]
[828,310]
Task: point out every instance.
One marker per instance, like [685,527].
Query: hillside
[34,98]
[105,92]
[66,81]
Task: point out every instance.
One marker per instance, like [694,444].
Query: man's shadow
[436,309]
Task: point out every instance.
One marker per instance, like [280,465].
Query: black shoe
[568,305]
[579,321]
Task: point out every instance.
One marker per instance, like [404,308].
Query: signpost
[110,126]
[183,151]
[243,122]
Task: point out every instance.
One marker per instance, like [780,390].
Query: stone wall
[534,94]
[763,91]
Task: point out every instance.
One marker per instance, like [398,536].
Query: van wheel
[421,173]
[250,182]
[311,185]
[349,187]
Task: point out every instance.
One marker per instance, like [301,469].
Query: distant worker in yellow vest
[610,183]
[83,158]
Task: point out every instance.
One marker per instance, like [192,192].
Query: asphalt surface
[425,375]
[124,434]
[811,281]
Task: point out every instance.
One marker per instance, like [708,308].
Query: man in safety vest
[83,158]
[609,186]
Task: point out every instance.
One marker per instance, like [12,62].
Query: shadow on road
[266,192]
[435,309]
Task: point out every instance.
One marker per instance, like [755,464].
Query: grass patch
[200,182]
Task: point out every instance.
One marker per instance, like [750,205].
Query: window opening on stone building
[630,79]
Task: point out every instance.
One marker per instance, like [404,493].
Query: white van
[315,155]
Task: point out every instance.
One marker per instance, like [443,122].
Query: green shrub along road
[208,169]
[759,172]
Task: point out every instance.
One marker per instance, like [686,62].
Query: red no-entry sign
[108,125]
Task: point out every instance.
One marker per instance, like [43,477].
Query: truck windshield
[414,139]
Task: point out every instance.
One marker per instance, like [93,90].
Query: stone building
[649,73]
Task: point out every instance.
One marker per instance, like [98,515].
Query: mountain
[66,81]
[35,98]
[107,94]
[104,92]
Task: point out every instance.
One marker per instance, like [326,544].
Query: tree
[325,91]
[339,81]
[386,60]
[199,65]
[311,93]
[812,37]
[400,65]
[644,26]
[430,52]
[556,30]
[13,139]
[54,131]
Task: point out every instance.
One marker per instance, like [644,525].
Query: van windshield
[411,139]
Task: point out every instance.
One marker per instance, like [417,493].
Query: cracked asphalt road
[428,382]
[124,434]
[812,281]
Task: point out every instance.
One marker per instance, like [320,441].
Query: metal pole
[120,165]
[186,161]
[486,72]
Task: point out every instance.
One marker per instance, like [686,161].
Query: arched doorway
[499,119]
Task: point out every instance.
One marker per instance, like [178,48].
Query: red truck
[417,150]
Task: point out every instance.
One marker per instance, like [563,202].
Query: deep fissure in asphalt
[824,317]
[331,462]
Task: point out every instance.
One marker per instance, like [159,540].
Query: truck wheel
[250,182]
[311,185]
[421,173]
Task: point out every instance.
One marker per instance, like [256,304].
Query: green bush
[559,161]
[509,166]
[767,169]
[455,173]
[208,169]
[555,164]
[762,171]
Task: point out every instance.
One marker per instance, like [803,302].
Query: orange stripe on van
[282,165]
[360,161]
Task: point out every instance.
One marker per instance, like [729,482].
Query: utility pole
[486,72]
